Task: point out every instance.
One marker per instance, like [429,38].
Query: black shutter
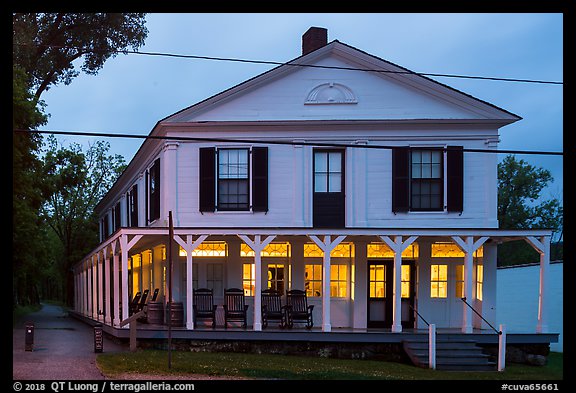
[146,198]
[134,202]
[117,219]
[155,191]
[260,179]
[400,179]
[455,178]
[207,185]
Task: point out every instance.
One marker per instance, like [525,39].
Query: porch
[350,299]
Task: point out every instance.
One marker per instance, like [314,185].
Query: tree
[76,181]
[519,189]
[46,45]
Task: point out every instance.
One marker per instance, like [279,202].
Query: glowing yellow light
[451,250]
[343,250]
[210,249]
[381,250]
[271,250]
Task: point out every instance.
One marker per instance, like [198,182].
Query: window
[276,277]
[420,177]
[438,281]
[378,281]
[233,179]
[313,280]
[215,278]
[327,171]
[460,281]
[339,280]
[248,279]
[427,184]
[405,281]
[479,281]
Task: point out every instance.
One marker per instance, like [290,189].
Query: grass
[19,312]
[260,366]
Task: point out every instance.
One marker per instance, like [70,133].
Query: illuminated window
[451,250]
[215,278]
[248,279]
[377,281]
[438,281]
[276,277]
[339,280]
[313,280]
[405,279]
[271,250]
[479,281]
[460,281]
[381,250]
[210,249]
[343,250]
[136,260]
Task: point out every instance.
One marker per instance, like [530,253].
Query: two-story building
[369,186]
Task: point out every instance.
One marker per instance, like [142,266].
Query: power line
[268,142]
[269,62]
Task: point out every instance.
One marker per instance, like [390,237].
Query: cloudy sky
[132,92]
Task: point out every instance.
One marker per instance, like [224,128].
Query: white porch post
[398,246]
[106,263]
[90,297]
[125,246]
[94,265]
[189,245]
[542,245]
[100,310]
[326,245]
[468,246]
[116,275]
[257,245]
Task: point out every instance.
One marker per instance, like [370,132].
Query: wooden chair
[142,301]
[272,308]
[203,306]
[155,295]
[234,306]
[133,306]
[300,311]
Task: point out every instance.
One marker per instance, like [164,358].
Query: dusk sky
[133,92]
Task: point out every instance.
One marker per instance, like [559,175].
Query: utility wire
[268,142]
[175,55]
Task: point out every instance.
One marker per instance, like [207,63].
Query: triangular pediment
[330,90]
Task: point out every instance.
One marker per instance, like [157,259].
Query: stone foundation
[383,351]
[533,354]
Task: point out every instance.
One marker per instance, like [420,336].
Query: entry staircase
[452,355]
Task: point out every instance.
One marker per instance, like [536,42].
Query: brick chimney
[314,38]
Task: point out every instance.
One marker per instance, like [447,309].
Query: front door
[380,291]
[328,200]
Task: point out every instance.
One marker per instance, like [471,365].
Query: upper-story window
[427,179]
[132,206]
[233,179]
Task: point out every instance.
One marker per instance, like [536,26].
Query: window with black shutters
[233,179]
[117,220]
[420,176]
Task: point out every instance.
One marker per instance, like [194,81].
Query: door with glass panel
[380,279]
[380,294]
[328,199]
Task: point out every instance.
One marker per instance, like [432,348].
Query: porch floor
[300,333]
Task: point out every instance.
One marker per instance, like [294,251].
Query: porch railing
[501,337]
[431,340]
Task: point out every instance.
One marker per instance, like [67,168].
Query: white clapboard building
[338,173]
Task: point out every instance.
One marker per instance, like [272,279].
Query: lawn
[259,366]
